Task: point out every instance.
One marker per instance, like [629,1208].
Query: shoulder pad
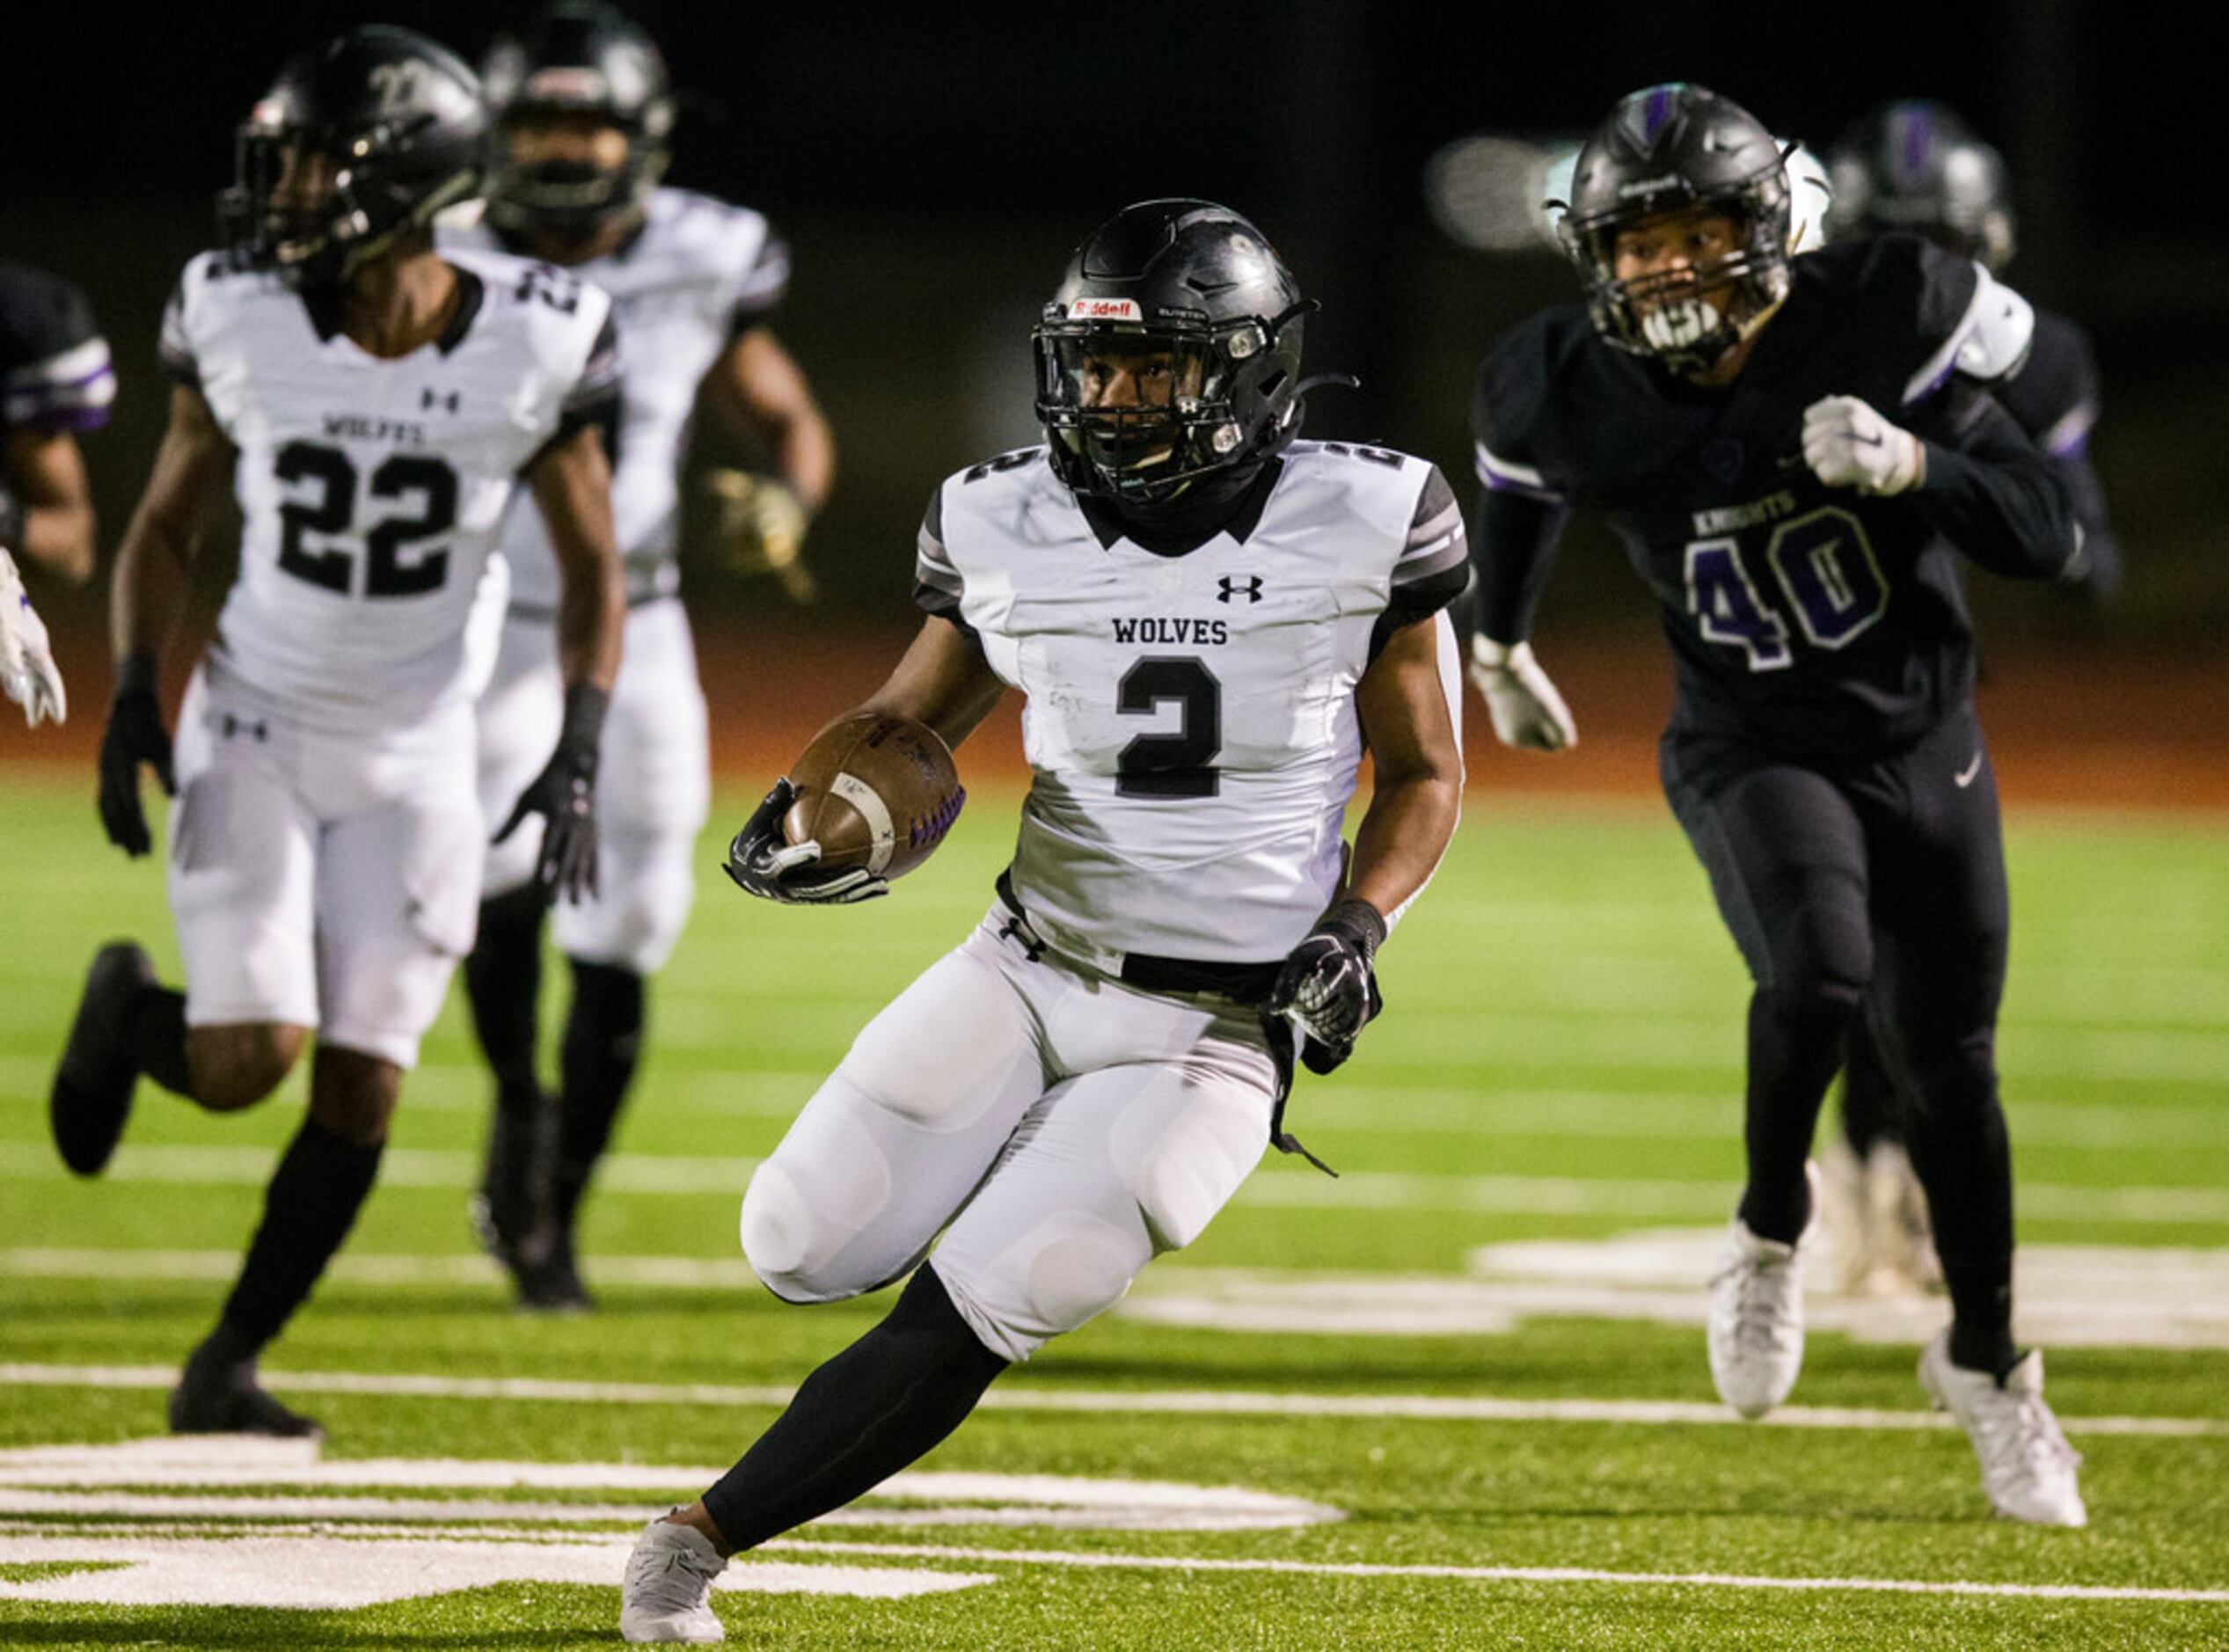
[1989,342]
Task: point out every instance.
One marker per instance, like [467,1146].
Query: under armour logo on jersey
[1230,587]
[429,399]
[233,726]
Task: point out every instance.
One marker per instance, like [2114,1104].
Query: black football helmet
[1914,166]
[1199,282]
[1662,149]
[579,57]
[395,119]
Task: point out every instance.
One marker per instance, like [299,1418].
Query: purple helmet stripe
[1913,140]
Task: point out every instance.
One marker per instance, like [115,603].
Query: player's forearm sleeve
[1512,550]
[2000,500]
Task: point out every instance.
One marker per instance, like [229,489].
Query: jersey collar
[324,305]
[1109,525]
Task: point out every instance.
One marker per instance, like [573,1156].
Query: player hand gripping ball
[1847,444]
[1526,710]
[763,862]
[1328,988]
[28,675]
[564,795]
[135,735]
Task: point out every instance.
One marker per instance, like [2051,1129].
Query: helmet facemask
[567,198]
[1687,318]
[1137,414]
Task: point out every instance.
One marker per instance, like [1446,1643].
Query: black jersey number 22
[1180,764]
[391,570]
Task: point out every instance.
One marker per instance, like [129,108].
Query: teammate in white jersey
[583,113]
[375,407]
[1211,623]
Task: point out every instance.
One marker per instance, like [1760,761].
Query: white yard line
[1200,1402]
[1282,1187]
[1525,1573]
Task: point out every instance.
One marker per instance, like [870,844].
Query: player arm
[943,680]
[759,396]
[46,511]
[1406,701]
[1994,494]
[571,481]
[192,467]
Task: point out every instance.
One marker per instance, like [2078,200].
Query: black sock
[1964,1158]
[880,1404]
[602,1043]
[502,983]
[155,1027]
[1794,1045]
[308,1209]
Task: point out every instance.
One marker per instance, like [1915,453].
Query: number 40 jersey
[372,490]
[1191,725]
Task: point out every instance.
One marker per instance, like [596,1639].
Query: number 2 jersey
[1191,722]
[1808,619]
[373,491]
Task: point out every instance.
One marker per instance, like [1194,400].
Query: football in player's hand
[875,790]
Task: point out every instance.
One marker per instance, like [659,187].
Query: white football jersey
[697,272]
[1191,722]
[372,491]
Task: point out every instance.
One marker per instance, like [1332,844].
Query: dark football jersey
[2054,395]
[55,371]
[1810,620]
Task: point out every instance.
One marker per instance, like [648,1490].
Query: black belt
[1247,983]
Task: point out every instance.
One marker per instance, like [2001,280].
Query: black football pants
[1878,884]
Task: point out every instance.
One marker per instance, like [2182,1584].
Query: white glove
[27,672]
[1526,710]
[1847,444]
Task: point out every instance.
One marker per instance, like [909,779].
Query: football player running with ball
[581,112]
[1211,621]
[375,407]
[1795,454]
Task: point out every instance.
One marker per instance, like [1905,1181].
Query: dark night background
[932,166]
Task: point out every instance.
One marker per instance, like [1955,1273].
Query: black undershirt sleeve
[1995,496]
[1513,550]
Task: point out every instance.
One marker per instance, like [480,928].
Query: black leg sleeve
[502,982]
[1871,1112]
[602,1043]
[879,1405]
[155,1025]
[312,1203]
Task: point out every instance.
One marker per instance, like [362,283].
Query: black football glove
[135,735]
[1328,989]
[564,795]
[764,863]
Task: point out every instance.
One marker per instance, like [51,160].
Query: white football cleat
[1756,1329]
[2026,1467]
[667,1594]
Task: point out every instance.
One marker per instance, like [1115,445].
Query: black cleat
[92,1089]
[218,1395]
[550,1282]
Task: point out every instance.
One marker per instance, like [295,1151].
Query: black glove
[135,735]
[1328,988]
[564,795]
[764,863]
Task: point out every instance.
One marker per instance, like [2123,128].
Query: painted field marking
[666,1175]
[1529,1574]
[1202,1402]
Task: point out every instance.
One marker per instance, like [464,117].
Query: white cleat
[2026,1467]
[667,1594]
[1756,1330]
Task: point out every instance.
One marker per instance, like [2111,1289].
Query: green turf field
[1465,1403]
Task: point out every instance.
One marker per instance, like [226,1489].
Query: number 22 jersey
[373,490]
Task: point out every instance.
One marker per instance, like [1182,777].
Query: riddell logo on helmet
[1106,309]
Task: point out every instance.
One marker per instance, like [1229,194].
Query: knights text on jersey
[372,491]
[1191,723]
[697,273]
[1806,619]
[55,370]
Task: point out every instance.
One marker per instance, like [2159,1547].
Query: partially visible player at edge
[375,407]
[1914,167]
[1212,621]
[56,381]
[582,112]
[1795,452]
